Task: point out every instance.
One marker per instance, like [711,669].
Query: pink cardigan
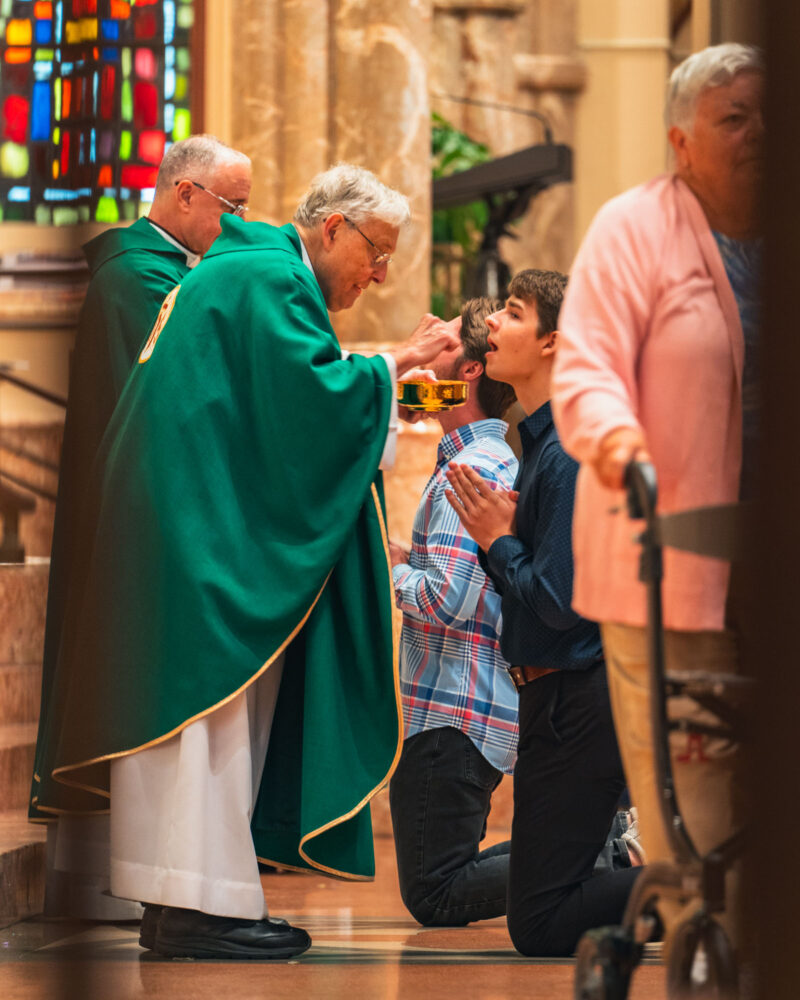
[650,337]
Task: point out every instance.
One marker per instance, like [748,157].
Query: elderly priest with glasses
[132,269]
[226,679]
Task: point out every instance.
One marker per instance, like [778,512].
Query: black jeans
[567,783]
[440,796]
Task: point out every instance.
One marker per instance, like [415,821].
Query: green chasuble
[238,516]
[132,270]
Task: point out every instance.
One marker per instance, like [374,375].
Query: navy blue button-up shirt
[532,570]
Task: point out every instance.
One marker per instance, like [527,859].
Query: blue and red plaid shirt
[451,669]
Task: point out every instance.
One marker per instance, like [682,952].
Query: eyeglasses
[238,210]
[380,257]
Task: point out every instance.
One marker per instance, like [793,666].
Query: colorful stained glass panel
[15,118]
[92,92]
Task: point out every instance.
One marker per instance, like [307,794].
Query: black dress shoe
[192,934]
[147,932]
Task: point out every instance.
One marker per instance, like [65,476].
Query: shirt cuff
[390,447]
[502,551]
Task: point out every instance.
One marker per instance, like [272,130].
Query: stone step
[23,598]
[17,744]
[22,866]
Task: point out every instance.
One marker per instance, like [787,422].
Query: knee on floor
[427,910]
[534,941]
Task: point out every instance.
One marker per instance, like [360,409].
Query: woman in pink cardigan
[658,359]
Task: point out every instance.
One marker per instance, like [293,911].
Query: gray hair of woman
[356,193]
[715,66]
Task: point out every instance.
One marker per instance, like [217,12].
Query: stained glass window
[92,92]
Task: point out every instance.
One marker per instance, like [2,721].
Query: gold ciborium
[417,394]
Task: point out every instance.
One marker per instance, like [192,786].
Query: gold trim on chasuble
[399,706]
[158,326]
[60,771]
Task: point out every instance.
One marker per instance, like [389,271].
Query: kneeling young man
[568,778]
[459,703]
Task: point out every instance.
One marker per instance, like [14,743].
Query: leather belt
[524,675]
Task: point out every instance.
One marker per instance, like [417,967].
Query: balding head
[194,175]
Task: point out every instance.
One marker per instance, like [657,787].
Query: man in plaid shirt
[459,703]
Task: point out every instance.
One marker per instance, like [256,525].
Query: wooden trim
[197,68]
[43,308]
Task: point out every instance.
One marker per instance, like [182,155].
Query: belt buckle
[518,677]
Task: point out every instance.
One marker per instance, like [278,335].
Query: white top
[192,258]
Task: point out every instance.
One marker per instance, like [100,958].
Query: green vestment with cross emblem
[239,513]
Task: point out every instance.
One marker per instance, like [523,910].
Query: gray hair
[356,193]
[715,66]
[193,158]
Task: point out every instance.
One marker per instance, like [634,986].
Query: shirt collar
[304,252]
[536,423]
[192,258]
[457,440]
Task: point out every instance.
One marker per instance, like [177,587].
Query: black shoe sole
[149,925]
[200,949]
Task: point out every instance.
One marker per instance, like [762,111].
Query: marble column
[256,117]
[306,97]
[381,120]
[620,137]
[319,81]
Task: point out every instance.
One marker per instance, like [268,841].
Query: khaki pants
[706,770]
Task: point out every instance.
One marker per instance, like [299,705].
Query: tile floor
[365,947]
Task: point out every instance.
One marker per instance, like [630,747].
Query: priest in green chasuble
[132,269]
[226,677]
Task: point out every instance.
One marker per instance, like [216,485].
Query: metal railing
[36,390]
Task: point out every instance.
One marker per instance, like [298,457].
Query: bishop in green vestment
[239,515]
[132,269]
